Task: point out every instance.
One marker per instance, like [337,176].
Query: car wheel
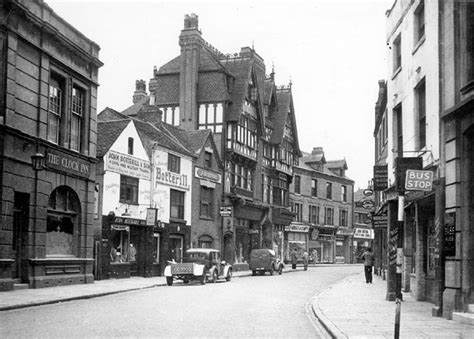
[214,276]
[254,272]
[229,275]
[169,281]
[280,270]
[203,279]
[271,271]
[262,272]
[186,281]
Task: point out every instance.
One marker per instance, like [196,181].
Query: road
[260,306]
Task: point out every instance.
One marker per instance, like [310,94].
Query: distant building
[322,200]
[48,86]
[363,232]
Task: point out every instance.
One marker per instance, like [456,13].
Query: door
[176,248]
[20,229]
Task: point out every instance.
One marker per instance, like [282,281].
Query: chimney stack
[140,91]
[317,150]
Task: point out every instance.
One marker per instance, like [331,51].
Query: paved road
[260,306]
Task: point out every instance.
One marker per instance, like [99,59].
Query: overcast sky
[333,51]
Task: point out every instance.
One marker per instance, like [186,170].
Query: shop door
[175,249]
[134,258]
[20,229]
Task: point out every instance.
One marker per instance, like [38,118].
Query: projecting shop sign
[419,180]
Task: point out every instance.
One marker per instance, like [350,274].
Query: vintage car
[265,260]
[201,264]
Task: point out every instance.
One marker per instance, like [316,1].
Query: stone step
[470,308]
[464,318]
[20,286]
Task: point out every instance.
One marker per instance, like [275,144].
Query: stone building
[47,147]
[322,200]
[456,236]
[254,130]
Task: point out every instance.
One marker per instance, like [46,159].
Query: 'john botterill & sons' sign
[128,165]
[68,163]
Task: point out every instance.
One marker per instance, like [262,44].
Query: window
[298,209]
[420,22]
[329,190]
[156,248]
[329,216]
[76,118]
[313,214]
[280,191]
[211,117]
[297,184]
[174,163]
[206,202]
[266,184]
[314,187]
[205,241]
[397,53]
[55,108]
[130,146]
[344,193]
[397,115]
[420,94]
[343,218]
[171,115]
[176,204]
[242,177]
[128,190]
[208,159]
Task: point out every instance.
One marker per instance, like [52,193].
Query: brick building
[47,147]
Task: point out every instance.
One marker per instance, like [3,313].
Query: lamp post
[37,162]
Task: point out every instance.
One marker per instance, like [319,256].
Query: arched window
[205,241]
[62,222]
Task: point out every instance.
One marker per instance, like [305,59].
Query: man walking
[368,257]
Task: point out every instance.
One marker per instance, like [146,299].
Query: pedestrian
[305,260]
[368,257]
[294,259]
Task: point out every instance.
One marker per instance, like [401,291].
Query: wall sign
[364,233]
[128,221]
[297,228]
[380,177]
[127,165]
[67,163]
[201,173]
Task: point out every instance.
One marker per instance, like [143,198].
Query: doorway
[176,248]
[21,211]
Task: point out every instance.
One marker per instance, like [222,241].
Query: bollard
[397,318]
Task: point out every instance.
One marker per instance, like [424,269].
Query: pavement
[348,309]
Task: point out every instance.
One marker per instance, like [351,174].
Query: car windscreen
[196,256]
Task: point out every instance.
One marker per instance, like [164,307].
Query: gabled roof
[108,114]
[133,110]
[337,164]
[107,133]
[313,158]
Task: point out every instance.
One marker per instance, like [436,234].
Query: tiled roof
[108,114]
[337,164]
[166,89]
[212,86]
[311,158]
[269,86]
[107,133]
[133,110]
[280,115]
[172,66]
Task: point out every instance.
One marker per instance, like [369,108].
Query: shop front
[321,244]
[362,239]
[296,239]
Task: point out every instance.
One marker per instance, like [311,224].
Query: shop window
[62,222]
[174,163]
[176,204]
[120,244]
[205,241]
[128,190]
[206,202]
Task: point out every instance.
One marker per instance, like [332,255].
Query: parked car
[265,260]
[201,264]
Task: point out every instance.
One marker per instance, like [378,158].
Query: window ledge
[418,44]
[203,217]
[397,71]
[129,203]
[468,88]
[178,220]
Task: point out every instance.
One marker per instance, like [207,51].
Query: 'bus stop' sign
[419,180]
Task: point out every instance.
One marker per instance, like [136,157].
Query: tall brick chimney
[140,91]
[191,43]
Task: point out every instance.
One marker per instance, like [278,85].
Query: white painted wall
[161,191]
[417,63]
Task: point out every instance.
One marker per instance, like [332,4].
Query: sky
[332,51]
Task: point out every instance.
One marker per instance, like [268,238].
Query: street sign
[380,177]
[368,192]
[225,211]
[368,204]
[402,165]
[419,180]
[379,221]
